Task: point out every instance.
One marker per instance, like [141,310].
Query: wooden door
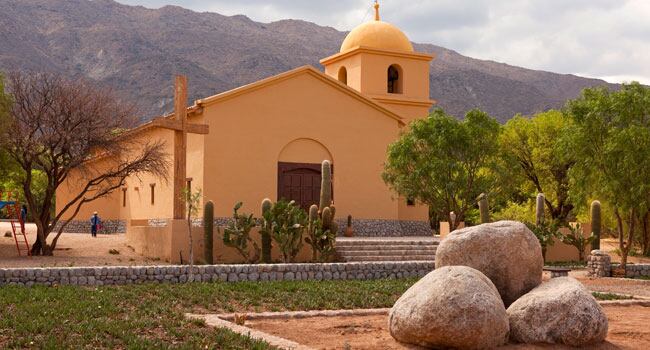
[299,182]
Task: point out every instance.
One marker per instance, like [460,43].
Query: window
[410,202]
[124,197]
[153,187]
[394,79]
[343,75]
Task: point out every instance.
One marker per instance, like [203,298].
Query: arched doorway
[299,171]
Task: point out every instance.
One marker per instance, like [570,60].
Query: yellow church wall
[249,132]
[138,189]
[107,206]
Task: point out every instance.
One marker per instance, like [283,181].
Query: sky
[607,39]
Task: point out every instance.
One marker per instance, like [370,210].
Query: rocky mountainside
[137,51]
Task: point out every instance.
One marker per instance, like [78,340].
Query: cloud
[608,39]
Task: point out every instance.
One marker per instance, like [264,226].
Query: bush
[287,224]
[237,235]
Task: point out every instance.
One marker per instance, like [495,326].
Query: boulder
[559,311]
[451,307]
[507,252]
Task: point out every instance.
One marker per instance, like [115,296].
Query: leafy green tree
[612,142]
[445,163]
[537,151]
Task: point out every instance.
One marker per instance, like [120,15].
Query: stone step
[386,253]
[432,248]
[389,258]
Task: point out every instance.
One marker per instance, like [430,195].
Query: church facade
[267,140]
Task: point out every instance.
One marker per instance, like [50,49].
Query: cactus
[349,221]
[595,224]
[483,208]
[208,231]
[325,185]
[326,217]
[265,232]
[539,209]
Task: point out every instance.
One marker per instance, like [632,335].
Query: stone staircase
[386,249]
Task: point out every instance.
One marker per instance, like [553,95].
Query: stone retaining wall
[83,226]
[110,275]
[599,265]
[362,227]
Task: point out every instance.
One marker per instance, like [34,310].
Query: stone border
[304,314]
[280,343]
[83,226]
[118,275]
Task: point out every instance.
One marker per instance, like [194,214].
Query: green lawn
[151,315]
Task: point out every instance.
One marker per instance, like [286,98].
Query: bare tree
[62,128]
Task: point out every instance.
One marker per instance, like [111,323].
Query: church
[267,139]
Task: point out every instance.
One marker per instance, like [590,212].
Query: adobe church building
[268,139]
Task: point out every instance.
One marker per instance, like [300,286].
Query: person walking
[95,223]
[23,217]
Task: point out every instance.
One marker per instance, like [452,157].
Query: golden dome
[378,35]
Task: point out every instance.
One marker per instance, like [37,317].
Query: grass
[610,296]
[151,315]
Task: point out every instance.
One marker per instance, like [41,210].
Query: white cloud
[608,39]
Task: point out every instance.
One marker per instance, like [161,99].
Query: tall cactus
[265,232]
[208,232]
[325,185]
[595,224]
[483,208]
[539,209]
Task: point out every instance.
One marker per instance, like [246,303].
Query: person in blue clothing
[23,217]
[95,223]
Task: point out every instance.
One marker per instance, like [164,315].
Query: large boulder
[559,311]
[507,252]
[451,307]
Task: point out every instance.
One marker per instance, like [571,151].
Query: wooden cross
[181,128]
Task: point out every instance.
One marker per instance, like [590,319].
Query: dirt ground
[627,330]
[73,249]
[611,244]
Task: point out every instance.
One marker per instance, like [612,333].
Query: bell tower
[378,60]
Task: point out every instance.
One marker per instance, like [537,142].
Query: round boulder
[507,252]
[451,307]
[559,311]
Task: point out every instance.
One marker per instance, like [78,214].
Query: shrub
[576,239]
[237,235]
[287,224]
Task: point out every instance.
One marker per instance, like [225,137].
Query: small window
[343,75]
[394,79]
[153,198]
[410,202]
[124,197]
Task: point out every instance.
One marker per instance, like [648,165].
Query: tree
[613,145]
[537,152]
[60,127]
[445,163]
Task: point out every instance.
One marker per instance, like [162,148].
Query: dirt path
[73,249]
[627,330]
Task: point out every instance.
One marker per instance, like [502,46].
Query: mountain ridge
[137,51]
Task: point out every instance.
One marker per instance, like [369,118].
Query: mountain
[137,51]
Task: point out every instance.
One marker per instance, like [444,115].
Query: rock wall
[599,265]
[110,275]
[83,226]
